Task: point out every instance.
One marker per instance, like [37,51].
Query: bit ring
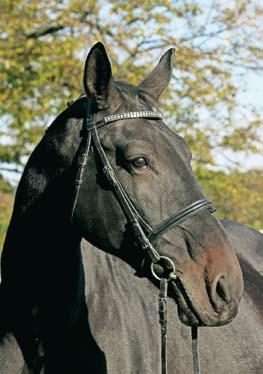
[172,274]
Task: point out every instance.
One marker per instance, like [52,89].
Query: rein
[143,232]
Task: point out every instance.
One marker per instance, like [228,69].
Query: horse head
[118,128]
[152,166]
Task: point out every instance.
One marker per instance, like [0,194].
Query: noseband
[144,234]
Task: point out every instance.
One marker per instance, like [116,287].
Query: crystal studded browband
[151,114]
[127,115]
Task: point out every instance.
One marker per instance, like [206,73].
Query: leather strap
[163,322]
[189,211]
[85,143]
[132,215]
[195,351]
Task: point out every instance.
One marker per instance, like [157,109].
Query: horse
[108,170]
[123,319]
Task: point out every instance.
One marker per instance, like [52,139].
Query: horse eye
[139,162]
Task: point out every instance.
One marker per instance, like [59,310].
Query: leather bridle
[144,234]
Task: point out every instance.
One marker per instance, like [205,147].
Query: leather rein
[143,232]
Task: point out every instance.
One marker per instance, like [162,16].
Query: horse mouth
[190,315]
[186,311]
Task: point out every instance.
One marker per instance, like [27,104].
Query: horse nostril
[222,289]
[220,292]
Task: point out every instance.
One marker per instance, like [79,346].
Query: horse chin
[190,316]
[185,309]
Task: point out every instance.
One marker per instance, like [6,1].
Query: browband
[149,114]
[127,115]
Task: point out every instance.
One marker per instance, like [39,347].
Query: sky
[252,94]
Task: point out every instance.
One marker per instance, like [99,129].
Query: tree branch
[208,35]
[208,16]
[11,170]
[45,31]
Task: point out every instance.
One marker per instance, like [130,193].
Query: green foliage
[5,186]
[237,196]
[6,203]
[43,46]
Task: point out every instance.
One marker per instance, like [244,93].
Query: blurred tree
[237,196]
[42,50]
[6,203]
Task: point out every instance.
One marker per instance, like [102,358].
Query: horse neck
[41,254]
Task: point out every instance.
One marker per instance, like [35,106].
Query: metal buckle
[172,274]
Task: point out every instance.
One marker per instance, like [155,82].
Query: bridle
[144,234]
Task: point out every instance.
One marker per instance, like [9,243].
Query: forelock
[133,98]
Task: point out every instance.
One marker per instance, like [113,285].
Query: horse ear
[98,81]
[157,81]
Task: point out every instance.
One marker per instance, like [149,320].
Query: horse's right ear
[99,84]
[157,81]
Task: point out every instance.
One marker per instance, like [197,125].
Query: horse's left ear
[98,81]
[157,81]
